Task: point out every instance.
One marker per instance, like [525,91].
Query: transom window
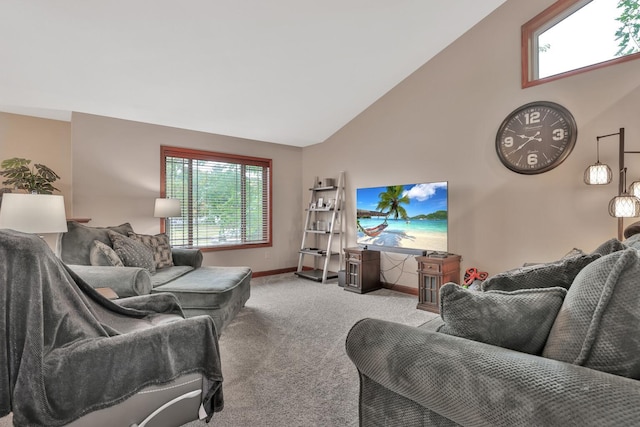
[225,199]
[574,36]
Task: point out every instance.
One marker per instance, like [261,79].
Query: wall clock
[536,137]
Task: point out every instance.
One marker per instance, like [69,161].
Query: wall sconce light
[625,204]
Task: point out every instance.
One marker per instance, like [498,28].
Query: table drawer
[355,256]
[430,267]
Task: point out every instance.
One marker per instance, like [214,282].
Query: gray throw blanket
[66,351]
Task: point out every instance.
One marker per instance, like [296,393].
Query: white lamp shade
[33,213]
[634,189]
[598,174]
[624,206]
[167,208]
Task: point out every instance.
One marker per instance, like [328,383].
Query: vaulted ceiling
[285,71]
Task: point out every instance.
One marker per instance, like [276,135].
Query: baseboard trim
[401,288]
[272,272]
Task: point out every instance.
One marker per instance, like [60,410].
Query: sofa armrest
[184,256]
[473,383]
[125,281]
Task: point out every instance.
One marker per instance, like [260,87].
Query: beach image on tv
[410,216]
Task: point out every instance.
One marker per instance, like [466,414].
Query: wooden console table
[433,272]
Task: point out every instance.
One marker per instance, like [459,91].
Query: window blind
[225,199]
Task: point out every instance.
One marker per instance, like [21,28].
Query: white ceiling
[286,71]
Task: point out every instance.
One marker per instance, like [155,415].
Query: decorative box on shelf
[433,272]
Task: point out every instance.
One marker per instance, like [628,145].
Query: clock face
[536,137]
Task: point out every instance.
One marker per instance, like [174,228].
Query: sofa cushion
[206,287]
[598,323]
[560,273]
[167,274]
[159,245]
[519,320]
[132,252]
[75,244]
[104,255]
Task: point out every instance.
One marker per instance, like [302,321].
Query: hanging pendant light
[598,173]
[624,205]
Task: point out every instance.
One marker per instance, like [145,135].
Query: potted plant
[37,179]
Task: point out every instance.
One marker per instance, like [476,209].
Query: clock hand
[535,137]
[521,145]
[530,138]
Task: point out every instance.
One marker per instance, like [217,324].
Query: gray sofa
[553,344]
[219,292]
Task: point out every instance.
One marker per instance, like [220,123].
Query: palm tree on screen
[391,201]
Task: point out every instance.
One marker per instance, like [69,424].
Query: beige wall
[41,141]
[117,177]
[441,123]
[438,124]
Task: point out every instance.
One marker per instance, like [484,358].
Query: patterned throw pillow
[132,252]
[104,255]
[160,246]
[518,320]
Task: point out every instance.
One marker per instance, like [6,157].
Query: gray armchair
[416,377]
[68,356]
[553,344]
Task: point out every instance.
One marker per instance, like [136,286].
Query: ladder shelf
[323,231]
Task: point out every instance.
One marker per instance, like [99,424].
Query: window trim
[168,151]
[528,45]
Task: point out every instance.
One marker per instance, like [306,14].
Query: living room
[438,124]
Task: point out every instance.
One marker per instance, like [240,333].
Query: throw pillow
[560,273]
[132,252]
[518,320]
[76,243]
[598,323]
[610,246]
[159,245]
[572,253]
[104,255]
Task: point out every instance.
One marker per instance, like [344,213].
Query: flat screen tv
[410,218]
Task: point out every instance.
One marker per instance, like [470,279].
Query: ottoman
[219,292]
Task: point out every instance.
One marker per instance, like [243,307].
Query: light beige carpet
[283,357]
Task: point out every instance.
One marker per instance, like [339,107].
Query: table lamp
[33,213]
[167,208]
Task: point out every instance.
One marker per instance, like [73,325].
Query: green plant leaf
[19,176]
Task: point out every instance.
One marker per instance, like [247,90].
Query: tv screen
[409,218]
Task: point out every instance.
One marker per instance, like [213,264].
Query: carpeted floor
[283,357]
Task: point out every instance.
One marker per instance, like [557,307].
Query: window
[574,36]
[225,199]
